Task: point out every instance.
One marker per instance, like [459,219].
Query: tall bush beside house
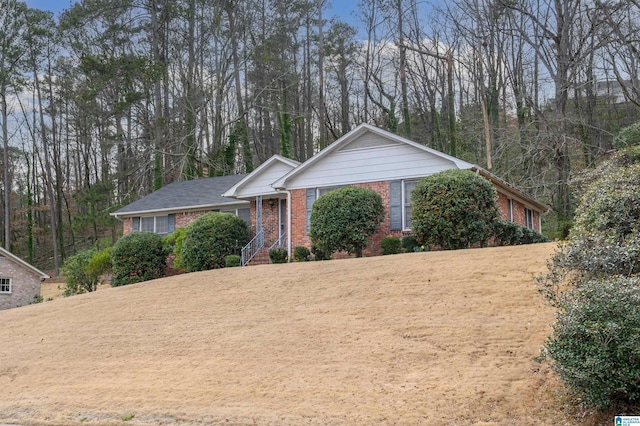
[210,238]
[594,281]
[78,278]
[454,209]
[343,219]
[137,257]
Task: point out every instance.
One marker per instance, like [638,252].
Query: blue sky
[340,8]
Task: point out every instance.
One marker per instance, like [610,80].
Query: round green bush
[409,243]
[210,238]
[232,260]
[390,245]
[595,343]
[454,209]
[301,254]
[278,255]
[137,257]
[344,219]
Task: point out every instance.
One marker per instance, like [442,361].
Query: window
[528,216]
[162,225]
[5,285]
[322,191]
[407,203]
[509,209]
[401,204]
[244,214]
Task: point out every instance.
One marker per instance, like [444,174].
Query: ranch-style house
[276,198]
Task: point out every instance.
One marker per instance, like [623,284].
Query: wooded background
[116,98]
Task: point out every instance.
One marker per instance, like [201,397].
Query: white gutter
[177,209]
[288,223]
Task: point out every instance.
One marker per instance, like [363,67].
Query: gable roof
[15,259]
[352,137]
[259,181]
[184,195]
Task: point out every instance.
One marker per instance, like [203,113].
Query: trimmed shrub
[137,257]
[210,238]
[278,255]
[232,261]
[79,278]
[301,254]
[507,233]
[319,254]
[344,219]
[390,245]
[454,209]
[595,343]
[409,243]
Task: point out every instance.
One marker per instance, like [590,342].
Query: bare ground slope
[420,338]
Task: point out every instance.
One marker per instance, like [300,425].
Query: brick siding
[25,285]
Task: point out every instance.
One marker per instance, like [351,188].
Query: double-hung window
[163,224]
[401,203]
[5,285]
[528,217]
[407,204]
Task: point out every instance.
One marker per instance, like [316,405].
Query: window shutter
[171,223]
[395,205]
[311,198]
[135,225]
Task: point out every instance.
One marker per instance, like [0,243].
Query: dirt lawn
[421,338]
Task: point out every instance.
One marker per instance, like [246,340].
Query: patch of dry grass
[420,338]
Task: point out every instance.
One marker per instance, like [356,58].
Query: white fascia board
[231,192]
[358,131]
[12,257]
[179,209]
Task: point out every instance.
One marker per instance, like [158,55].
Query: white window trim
[509,209]
[326,189]
[404,204]
[529,221]
[10,285]
[155,224]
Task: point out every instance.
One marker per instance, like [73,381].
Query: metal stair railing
[252,248]
[280,242]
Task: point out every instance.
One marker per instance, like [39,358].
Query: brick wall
[299,235]
[25,285]
[374,247]
[518,212]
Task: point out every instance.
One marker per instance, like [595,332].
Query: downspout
[288,222]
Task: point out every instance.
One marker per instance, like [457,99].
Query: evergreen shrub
[391,245]
[232,261]
[454,209]
[301,254]
[343,219]
[409,243]
[210,238]
[278,255]
[137,257]
[78,278]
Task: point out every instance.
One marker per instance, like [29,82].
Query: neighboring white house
[19,281]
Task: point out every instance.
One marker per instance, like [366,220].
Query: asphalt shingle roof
[185,195]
